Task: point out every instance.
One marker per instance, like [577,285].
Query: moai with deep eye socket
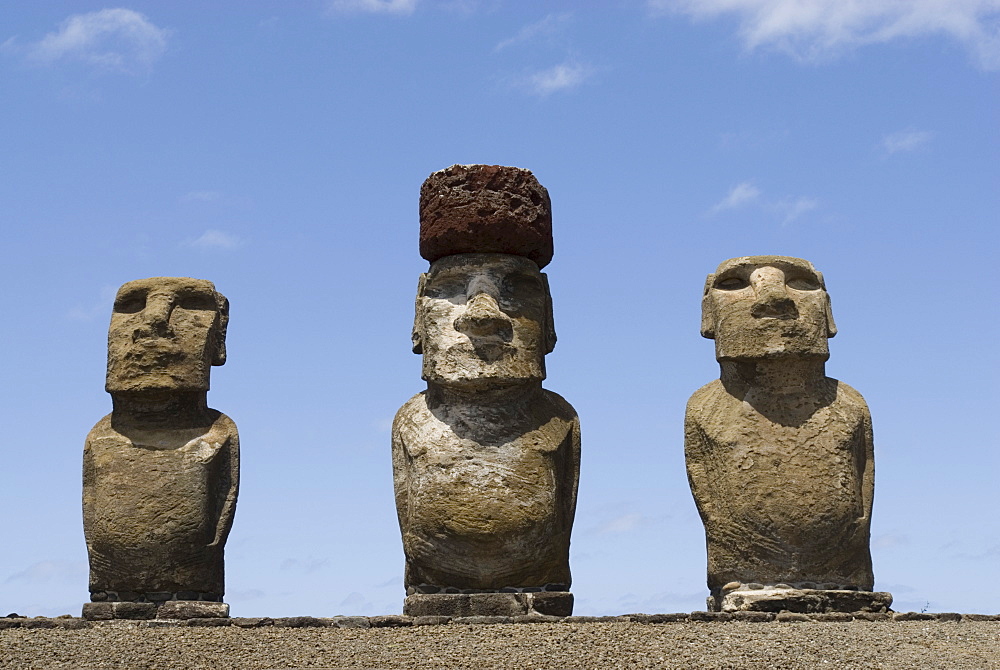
[161,472]
[485,461]
[779,456]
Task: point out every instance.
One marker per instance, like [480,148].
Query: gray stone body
[779,456]
[161,472]
[485,461]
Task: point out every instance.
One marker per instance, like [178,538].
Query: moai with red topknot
[485,461]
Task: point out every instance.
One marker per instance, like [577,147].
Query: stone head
[767,307]
[165,334]
[483,320]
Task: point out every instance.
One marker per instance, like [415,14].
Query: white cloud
[50,571]
[547,26]
[890,540]
[216,239]
[560,77]
[816,28]
[905,140]
[746,194]
[200,196]
[115,39]
[398,7]
[98,309]
[792,208]
[621,524]
[306,566]
[741,194]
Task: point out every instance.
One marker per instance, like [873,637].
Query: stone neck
[773,377]
[505,395]
[161,409]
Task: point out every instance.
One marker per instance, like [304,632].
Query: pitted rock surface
[779,456]
[485,209]
[161,472]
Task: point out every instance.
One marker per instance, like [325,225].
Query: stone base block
[805,601]
[118,610]
[191,609]
[550,603]
[172,609]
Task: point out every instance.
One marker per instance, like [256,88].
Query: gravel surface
[812,644]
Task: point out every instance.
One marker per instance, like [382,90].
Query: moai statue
[161,472]
[485,461]
[779,456]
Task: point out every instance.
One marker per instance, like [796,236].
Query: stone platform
[547,603]
[803,601]
[170,609]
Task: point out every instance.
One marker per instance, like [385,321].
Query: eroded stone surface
[188,609]
[779,456]
[485,461]
[485,209]
[806,601]
[161,472]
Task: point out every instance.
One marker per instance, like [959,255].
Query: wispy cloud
[745,194]
[98,309]
[790,209]
[396,7]
[113,39]
[812,29]
[50,571]
[306,566]
[905,140]
[621,524]
[890,540]
[200,196]
[563,77]
[550,25]
[216,239]
[741,194]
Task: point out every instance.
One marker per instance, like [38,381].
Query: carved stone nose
[775,305]
[772,298]
[156,317]
[483,317]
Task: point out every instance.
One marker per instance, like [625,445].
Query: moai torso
[783,503]
[779,456]
[486,499]
[486,461]
[158,506]
[161,472]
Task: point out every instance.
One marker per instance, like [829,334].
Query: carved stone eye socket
[130,304]
[802,284]
[731,284]
[197,301]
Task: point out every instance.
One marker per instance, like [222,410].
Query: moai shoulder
[485,461]
[779,456]
[161,472]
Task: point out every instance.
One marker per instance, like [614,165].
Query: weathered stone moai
[485,461]
[161,472]
[779,456]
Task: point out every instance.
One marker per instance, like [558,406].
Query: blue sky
[277,149]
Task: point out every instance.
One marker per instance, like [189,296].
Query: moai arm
[230,484]
[868,478]
[695,454]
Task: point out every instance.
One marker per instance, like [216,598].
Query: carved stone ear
[708,310]
[222,323]
[831,327]
[549,329]
[417,335]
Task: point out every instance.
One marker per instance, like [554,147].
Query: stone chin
[482,378]
[771,339]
